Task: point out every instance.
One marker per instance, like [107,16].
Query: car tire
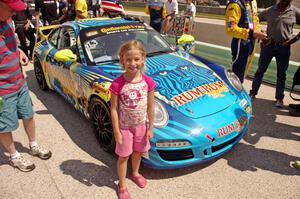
[39,75]
[101,118]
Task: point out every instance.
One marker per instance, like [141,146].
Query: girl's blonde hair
[132,45]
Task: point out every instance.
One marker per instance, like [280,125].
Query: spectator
[71,10]
[63,11]
[191,12]
[25,30]
[48,9]
[190,9]
[81,9]
[172,10]
[14,91]
[280,18]
[96,8]
[157,11]
[243,25]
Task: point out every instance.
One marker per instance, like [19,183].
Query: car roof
[92,22]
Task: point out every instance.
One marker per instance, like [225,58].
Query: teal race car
[201,109]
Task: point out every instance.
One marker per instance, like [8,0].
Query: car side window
[53,38]
[67,39]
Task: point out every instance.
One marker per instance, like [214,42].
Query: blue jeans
[241,51]
[282,56]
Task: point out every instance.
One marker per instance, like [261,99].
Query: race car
[201,109]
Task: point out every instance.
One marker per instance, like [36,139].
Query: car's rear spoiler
[45,30]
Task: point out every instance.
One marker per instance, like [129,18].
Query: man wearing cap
[14,93]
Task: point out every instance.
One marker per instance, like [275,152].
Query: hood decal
[188,85]
[214,89]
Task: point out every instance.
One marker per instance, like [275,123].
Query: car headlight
[234,80]
[172,143]
[161,116]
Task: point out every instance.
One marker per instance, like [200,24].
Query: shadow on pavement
[264,123]
[249,158]
[89,173]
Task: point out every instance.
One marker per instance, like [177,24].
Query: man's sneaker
[279,103]
[21,163]
[40,152]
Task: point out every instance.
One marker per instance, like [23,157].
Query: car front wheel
[39,75]
[101,118]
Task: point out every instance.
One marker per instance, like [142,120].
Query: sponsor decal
[230,23]
[236,125]
[102,89]
[248,109]
[243,103]
[210,138]
[44,43]
[214,89]
[124,28]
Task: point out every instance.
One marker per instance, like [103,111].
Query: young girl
[132,99]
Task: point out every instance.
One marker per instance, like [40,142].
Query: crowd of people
[243,24]
[131,131]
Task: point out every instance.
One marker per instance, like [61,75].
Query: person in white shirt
[190,9]
[191,13]
[172,10]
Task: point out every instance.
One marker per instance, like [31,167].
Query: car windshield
[101,45]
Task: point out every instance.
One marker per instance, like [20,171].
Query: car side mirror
[186,42]
[65,55]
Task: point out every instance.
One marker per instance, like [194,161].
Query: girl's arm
[115,118]
[150,111]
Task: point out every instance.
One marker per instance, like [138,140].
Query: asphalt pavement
[259,167]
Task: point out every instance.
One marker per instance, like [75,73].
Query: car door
[67,69]
[51,64]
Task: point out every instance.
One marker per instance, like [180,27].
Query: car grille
[176,154]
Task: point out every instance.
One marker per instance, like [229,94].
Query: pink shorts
[134,139]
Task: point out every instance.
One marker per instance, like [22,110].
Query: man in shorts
[172,10]
[15,100]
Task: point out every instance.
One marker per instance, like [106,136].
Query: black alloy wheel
[39,75]
[101,118]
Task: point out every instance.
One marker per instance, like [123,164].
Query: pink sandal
[139,180]
[123,193]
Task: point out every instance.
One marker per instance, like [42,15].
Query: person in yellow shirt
[81,9]
[157,11]
[243,25]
